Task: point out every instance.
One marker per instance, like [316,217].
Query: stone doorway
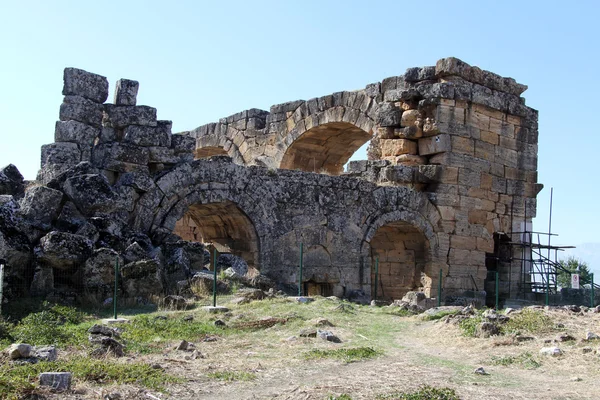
[325,148]
[403,253]
[223,225]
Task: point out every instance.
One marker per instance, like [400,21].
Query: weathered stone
[121,157]
[175,302]
[389,115]
[57,381]
[80,109]
[42,282]
[409,118]
[122,116]
[67,154]
[551,351]
[396,147]
[107,345]
[11,181]
[75,132]
[183,143]
[486,329]
[142,278]
[45,353]
[62,250]
[126,92]
[159,135]
[99,271]
[78,82]
[434,145]
[19,350]
[41,205]
[91,194]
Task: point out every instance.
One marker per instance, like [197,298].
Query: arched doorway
[403,253]
[325,148]
[209,151]
[223,224]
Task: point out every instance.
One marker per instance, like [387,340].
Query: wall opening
[325,148]
[209,151]
[224,225]
[498,262]
[403,253]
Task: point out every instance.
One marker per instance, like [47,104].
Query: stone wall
[453,160]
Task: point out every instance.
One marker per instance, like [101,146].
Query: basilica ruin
[451,175]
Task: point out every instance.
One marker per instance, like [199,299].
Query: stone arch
[213,145]
[325,141]
[224,225]
[408,250]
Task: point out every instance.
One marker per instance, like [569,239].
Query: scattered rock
[156,366]
[209,339]
[320,322]
[379,303]
[480,371]
[486,329]
[183,345]
[175,302]
[521,338]
[220,323]
[107,345]
[310,332]
[591,336]
[103,330]
[112,396]
[19,350]
[329,336]
[188,318]
[251,294]
[160,318]
[551,351]
[45,353]
[564,337]
[58,381]
[587,350]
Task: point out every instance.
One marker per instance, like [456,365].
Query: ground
[272,363]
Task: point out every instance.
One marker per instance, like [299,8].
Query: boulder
[78,82]
[41,205]
[62,250]
[92,194]
[106,344]
[19,350]
[57,381]
[42,282]
[99,271]
[486,329]
[11,181]
[239,266]
[143,278]
[175,302]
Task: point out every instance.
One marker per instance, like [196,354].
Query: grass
[525,360]
[526,321]
[423,393]
[439,315]
[230,376]
[343,396]
[346,355]
[17,381]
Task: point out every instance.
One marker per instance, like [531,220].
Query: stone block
[478,217]
[63,250]
[463,145]
[122,116]
[76,132]
[57,381]
[181,143]
[434,144]
[91,193]
[162,155]
[126,92]
[463,242]
[469,177]
[60,153]
[147,136]
[396,147]
[81,109]
[410,160]
[409,118]
[485,150]
[388,115]
[41,205]
[409,132]
[78,82]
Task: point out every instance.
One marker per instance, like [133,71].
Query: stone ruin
[452,170]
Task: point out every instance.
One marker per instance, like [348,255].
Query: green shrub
[529,321]
[424,393]
[525,359]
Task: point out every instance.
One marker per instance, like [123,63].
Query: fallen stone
[63,250]
[58,381]
[586,350]
[321,322]
[551,351]
[220,323]
[19,350]
[112,396]
[591,336]
[107,345]
[564,337]
[480,371]
[309,332]
[175,302]
[11,181]
[486,329]
[103,330]
[45,353]
[329,336]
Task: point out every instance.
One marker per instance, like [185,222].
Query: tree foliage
[573,265]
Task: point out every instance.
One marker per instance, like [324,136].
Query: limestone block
[91,193]
[409,118]
[63,250]
[41,205]
[463,145]
[81,109]
[159,135]
[78,82]
[388,115]
[485,150]
[447,213]
[110,155]
[162,155]
[463,242]
[183,143]
[434,144]
[60,153]
[410,160]
[507,157]
[126,92]
[58,381]
[396,147]
[478,217]
[430,127]
[386,132]
[76,132]
[122,116]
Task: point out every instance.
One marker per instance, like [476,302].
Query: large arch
[323,139]
[409,254]
[223,225]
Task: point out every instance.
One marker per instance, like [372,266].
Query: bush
[54,325]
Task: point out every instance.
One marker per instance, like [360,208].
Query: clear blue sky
[198,61]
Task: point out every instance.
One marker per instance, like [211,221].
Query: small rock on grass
[551,351]
[480,371]
[58,381]
[591,336]
[19,350]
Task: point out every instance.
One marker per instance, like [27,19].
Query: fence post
[439,300]
[214,277]
[376,277]
[1,287]
[301,264]
[591,294]
[547,288]
[116,287]
[497,289]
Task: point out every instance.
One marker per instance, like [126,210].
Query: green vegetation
[573,265]
[340,397]
[424,393]
[230,376]
[525,321]
[17,380]
[346,355]
[439,315]
[525,360]
[469,325]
